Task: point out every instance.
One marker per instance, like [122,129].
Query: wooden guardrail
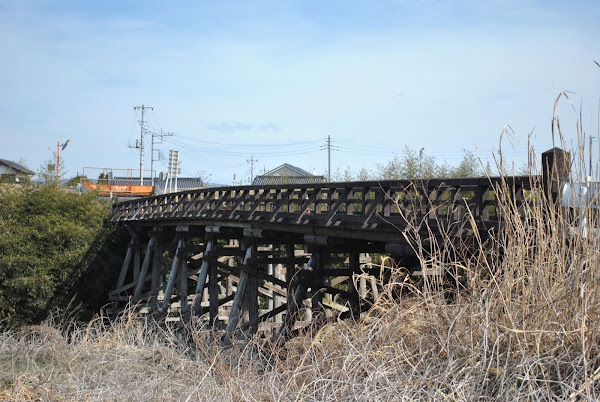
[366,206]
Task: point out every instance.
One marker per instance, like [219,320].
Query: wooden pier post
[144,271]
[294,303]
[213,291]
[183,282]
[354,262]
[237,306]
[127,261]
[317,285]
[172,274]
[136,260]
[556,169]
[155,281]
[251,301]
[175,267]
[211,245]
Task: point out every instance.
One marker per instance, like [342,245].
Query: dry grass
[523,325]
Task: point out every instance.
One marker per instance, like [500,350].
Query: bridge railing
[372,205]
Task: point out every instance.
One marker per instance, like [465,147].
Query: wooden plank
[258,203]
[340,279]
[195,198]
[240,198]
[122,288]
[265,289]
[222,199]
[274,289]
[267,315]
[264,276]
[304,206]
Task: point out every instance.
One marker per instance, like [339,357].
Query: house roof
[16,167]
[272,180]
[287,174]
[290,168]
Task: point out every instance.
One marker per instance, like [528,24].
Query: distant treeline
[413,164]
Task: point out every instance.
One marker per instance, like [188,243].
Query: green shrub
[49,239]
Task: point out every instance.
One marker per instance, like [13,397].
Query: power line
[271,154]
[250,145]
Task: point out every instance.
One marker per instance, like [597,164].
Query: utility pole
[152,160]
[140,145]
[329,158]
[251,162]
[161,136]
[58,148]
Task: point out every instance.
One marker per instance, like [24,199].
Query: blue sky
[273,79]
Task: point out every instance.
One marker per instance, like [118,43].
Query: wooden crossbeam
[267,315]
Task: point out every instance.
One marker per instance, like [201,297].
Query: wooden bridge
[283,256]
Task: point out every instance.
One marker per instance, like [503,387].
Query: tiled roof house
[287,174]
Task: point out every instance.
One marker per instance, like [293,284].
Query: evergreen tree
[49,240]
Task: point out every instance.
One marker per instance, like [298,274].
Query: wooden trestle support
[240,280]
[249,258]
